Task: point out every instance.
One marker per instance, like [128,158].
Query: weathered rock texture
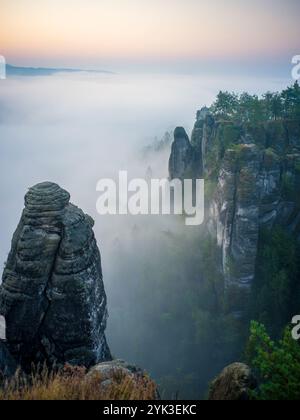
[108,371]
[182,159]
[233,384]
[52,295]
[2,328]
[8,365]
[253,174]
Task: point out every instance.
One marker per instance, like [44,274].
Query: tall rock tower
[52,295]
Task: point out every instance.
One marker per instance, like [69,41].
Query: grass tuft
[73,383]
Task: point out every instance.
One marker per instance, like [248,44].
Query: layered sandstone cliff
[253,175]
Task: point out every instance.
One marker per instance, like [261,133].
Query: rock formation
[8,365]
[2,328]
[109,370]
[254,172]
[233,384]
[52,295]
[182,159]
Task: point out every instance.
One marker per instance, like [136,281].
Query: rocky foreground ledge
[53,302]
[234,383]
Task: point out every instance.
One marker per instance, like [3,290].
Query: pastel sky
[92,32]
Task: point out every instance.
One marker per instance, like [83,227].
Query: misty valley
[184,302]
[152,196]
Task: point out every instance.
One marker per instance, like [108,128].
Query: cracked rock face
[238,214]
[52,295]
[256,189]
[253,175]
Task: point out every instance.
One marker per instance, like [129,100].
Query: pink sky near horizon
[91,31]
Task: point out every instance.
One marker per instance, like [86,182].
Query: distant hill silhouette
[44,71]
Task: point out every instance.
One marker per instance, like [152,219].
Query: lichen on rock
[233,384]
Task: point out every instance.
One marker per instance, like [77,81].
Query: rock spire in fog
[52,295]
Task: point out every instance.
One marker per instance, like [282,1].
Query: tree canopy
[251,108]
[277,364]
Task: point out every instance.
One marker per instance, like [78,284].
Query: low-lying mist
[76,129]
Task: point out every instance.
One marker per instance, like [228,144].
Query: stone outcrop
[52,295]
[106,369]
[182,159]
[256,188]
[237,213]
[109,370]
[253,172]
[233,384]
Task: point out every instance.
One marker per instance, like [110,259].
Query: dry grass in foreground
[72,383]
